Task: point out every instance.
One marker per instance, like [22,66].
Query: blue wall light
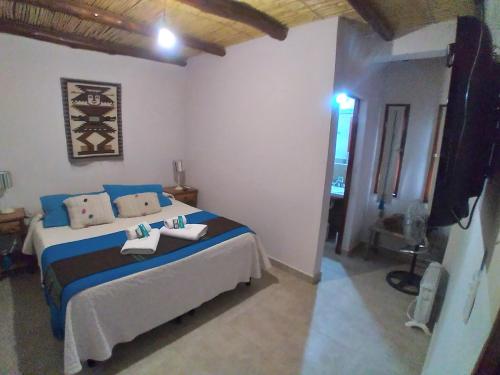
[341,98]
[344,101]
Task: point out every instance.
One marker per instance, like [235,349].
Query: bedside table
[12,233]
[188,195]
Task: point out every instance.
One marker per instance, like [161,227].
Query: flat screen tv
[469,124]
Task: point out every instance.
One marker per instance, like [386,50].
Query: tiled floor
[351,323]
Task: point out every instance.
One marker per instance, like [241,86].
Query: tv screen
[469,125]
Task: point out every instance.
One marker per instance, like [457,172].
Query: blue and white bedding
[117,310]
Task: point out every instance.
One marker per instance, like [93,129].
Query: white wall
[258,130]
[357,75]
[32,136]
[424,85]
[456,345]
[427,42]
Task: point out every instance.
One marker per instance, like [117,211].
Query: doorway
[345,148]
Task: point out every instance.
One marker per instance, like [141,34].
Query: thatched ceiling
[401,15]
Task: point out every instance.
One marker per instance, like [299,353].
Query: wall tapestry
[92,116]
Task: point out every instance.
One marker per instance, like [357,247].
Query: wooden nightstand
[12,233]
[188,196]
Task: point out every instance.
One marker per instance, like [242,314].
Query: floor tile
[352,323]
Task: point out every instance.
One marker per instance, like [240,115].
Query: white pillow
[87,210]
[140,204]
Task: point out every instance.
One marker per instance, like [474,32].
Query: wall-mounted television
[469,130]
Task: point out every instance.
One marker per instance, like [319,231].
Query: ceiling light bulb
[166,38]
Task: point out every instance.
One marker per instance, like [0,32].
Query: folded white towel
[169,223]
[133,232]
[146,245]
[191,232]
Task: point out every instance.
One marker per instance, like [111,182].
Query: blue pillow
[117,191]
[55,213]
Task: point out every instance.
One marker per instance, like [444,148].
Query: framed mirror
[392,150]
[435,153]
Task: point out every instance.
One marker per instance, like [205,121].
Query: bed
[98,318]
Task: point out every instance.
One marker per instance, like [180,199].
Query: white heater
[425,300]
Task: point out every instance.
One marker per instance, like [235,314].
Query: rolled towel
[144,246]
[131,233]
[170,223]
[142,230]
[135,232]
[191,232]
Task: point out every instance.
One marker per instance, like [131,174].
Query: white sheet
[100,317]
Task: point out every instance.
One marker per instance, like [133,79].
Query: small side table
[12,233]
[188,195]
[379,228]
[405,281]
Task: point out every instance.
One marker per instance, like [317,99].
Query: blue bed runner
[73,249]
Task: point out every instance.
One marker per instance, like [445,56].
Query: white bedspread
[100,317]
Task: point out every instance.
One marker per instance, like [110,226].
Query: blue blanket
[75,248]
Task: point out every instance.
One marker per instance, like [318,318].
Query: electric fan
[414,231]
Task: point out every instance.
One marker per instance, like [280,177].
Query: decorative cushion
[55,213]
[117,191]
[138,204]
[88,210]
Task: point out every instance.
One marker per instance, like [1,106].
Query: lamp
[166,38]
[5,183]
[179,174]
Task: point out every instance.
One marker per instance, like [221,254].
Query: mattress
[100,317]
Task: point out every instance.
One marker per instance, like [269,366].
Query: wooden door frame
[353,135]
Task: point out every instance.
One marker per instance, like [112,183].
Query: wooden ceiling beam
[242,12]
[81,42]
[104,17]
[373,18]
